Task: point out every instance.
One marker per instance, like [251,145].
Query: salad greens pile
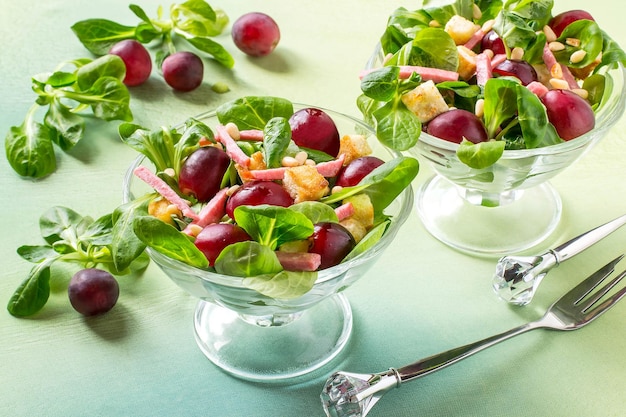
[92,84]
[268,226]
[194,22]
[411,39]
[70,238]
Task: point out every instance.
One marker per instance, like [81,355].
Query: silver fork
[347,394]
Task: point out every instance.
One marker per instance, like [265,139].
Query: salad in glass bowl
[265,210]
[498,97]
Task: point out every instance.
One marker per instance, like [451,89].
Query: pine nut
[289,161]
[556,46]
[301,157]
[556,71]
[581,92]
[310,162]
[488,25]
[476,12]
[489,53]
[232,190]
[434,24]
[559,84]
[573,42]
[517,53]
[169,172]
[550,35]
[193,230]
[233,130]
[577,56]
[480,107]
[336,189]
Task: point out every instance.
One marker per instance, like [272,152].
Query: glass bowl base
[273,350]
[486,230]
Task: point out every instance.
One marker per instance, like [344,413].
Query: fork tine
[609,302]
[602,292]
[579,292]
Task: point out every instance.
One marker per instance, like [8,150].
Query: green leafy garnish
[94,84]
[71,238]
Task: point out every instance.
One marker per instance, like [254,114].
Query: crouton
[425,101]
[460,29]
[356,229]
[257,161]
[353,147]
[467,62]
[304,183]
[363,209]
[163,210]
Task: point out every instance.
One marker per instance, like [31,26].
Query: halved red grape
[332,242]
[456,124]
[354,172]
[493,41]
[183,71]
[93,291]
[562,20]
[202,172]
[255,193]
[315,129]
[520,69]
[215,237]
[255,34]
[136,59]
[570,114]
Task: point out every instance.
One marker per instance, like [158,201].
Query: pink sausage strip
[299,261]
[550,60]
[252,135]
[165,190]
[214,209]
[234,151]
[435,74]
[483,69]
[344,211]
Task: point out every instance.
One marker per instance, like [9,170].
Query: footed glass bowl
[256,337]
[510,206]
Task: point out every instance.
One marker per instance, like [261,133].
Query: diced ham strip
[214,209]
[483,68]
[497,60]
[435,74]
[299,261]
[330,168]
[165,190]
[252,135]
[344,211]
[234,152]
[476,37]
[326,169]
[550,60]
[537,88]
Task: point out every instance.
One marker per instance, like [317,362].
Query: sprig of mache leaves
[71,89]
[71,238]
[194,22]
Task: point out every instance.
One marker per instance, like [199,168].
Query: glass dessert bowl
[510,206]
[262,338]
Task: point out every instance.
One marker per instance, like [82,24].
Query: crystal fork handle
[578,244]
[441,360]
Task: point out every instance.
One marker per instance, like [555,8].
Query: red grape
[456,124]
[354,172]
[332,242]
[255,193]
[93,291]
[570,114]
[183,71]
[136,59]
[215,237]
[517,68]
[313,128]
[562,20]
[255,34]
[492,41]
[202,172]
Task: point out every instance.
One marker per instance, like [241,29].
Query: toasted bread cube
[425,101]
[353,147]
[467,62]
[460,29]
[304,183]
[363,209]
[257,161]
[162,209]
[356,229]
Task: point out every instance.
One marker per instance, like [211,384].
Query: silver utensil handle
[441,360]
[578,244]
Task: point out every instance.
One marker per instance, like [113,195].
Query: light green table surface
[421,298]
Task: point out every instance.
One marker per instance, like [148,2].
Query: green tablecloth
[421,298]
